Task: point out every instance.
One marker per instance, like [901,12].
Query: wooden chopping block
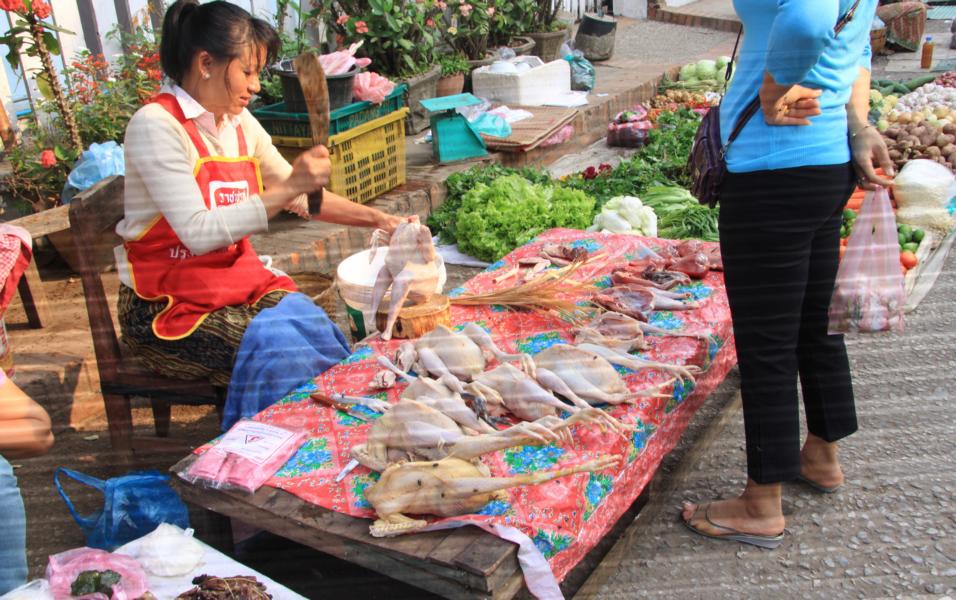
[415,321]
[315,90]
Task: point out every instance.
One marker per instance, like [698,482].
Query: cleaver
[316,93]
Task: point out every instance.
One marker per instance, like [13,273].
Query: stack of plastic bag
[247,456]
[371,87]
[342,61]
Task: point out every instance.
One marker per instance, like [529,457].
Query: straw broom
[540,294]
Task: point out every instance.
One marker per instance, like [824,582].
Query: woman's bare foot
[819,463]
[758,510]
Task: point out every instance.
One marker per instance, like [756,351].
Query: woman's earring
[206,75]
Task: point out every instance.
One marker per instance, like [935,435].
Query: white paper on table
[453,256]
[569,100]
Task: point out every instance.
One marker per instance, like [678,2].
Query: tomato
[842,250]
[908,259]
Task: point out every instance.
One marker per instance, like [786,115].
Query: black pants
[780,240]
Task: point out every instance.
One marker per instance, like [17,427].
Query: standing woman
[791,171]
[202,175]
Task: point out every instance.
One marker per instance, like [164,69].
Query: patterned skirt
[208,353]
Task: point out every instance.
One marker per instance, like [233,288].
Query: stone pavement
[888,534]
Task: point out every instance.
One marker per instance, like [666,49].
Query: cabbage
[626,214]
[722,61]
[722,74]
[688,72]
[706,69]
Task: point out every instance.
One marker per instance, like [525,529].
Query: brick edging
[666,15]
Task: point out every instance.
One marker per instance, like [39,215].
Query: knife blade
[315,89]
[346,470]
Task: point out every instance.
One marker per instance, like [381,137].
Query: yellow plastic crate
[367,160]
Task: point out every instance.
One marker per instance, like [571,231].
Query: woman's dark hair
[221,28]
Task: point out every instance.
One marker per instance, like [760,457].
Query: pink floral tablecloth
[564,518]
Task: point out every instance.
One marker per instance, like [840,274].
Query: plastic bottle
[926,60]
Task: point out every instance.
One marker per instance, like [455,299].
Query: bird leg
[630,361]
[481,338]
[469,486]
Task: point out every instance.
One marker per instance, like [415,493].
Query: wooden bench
[30,287]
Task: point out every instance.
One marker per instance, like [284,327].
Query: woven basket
[320,288]
[877,40]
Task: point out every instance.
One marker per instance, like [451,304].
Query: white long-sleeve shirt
[160,159]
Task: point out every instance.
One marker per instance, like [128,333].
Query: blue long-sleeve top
[794,40]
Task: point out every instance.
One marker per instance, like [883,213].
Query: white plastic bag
[924,183]
[169,551]
[869,294]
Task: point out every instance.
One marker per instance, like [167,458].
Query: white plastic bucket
[355,279]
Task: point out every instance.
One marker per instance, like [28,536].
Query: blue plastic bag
[99,161]
[133,505]
[583,75]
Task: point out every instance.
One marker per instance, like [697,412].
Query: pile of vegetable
[626,214]
[496,218]
[947,79]
[443,222]
[680,216]
[908,141]
[672,100]
[701,76]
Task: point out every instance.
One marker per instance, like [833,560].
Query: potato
[933,152]
[944,139]
[950,129]
[948,149]
[895,154]
[893,132]
[927,138]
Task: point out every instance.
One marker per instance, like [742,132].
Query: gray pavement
[888,534]
[653,42]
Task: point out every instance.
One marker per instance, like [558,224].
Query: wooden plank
[45,222]
[333,533]
[33,296]
[484,555]
[450,547]
[295,514]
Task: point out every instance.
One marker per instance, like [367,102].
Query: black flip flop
[762,541]
[820,488]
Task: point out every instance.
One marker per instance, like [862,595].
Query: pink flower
[342,20]
[47,158]
[430,22]
[12,5]
[41,9]
[361,27]
[465,9]
[441,5]
[491,11]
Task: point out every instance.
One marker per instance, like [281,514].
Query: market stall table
[563,520]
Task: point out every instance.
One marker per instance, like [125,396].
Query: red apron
[194,286]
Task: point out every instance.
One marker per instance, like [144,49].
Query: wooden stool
[415,321]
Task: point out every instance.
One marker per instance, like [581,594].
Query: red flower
[430,22]
[12,5]
[361,27]
[342,20]
[47,158]
[155,74]
[590,173]
[41,9]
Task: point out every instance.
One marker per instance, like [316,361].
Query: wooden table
[459,563]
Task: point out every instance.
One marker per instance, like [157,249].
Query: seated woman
[202,175]
[24,432]
[905,23]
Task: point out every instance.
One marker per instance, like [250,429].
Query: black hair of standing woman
[222,29]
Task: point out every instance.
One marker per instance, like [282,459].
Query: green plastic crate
[287,124]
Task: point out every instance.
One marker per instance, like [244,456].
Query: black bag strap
[751,109]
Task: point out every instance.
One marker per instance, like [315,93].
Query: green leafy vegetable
[495,219]
[680,216]
[443,221]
